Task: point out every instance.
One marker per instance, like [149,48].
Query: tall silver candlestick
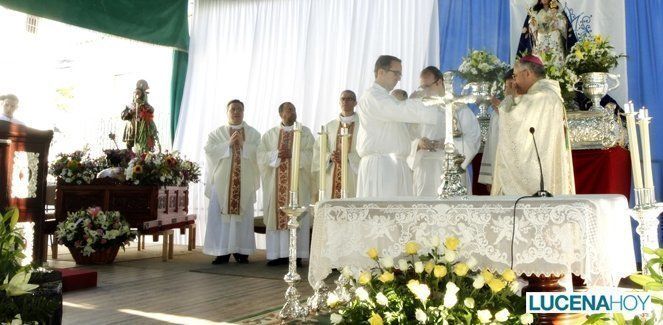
[293,309]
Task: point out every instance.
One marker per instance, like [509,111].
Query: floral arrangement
[564,75]
[76,167]
[432,288]
[481,66]
[592,54]
[92,229]
[162,169]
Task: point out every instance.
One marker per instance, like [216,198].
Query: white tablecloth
[587,235]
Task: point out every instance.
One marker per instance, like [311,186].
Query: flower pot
[100,256]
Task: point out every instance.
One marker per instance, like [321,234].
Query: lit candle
[323,163]
[633,145]
[643,121]
[344,161]
[448,123]
[294,161]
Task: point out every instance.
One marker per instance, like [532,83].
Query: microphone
[541,192]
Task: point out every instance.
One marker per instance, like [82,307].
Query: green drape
[180,62]
[160,22]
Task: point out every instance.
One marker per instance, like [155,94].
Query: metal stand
[318,301]
[293,309]
[646,212]
[452,179]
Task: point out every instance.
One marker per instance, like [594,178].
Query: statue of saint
[140,131]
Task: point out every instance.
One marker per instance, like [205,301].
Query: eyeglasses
[397,73]
[348,99]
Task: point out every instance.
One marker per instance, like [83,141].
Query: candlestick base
[452,179]
[293,308]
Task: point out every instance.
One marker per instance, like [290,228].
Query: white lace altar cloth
[587,235]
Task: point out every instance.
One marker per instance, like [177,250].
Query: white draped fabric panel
[265,52]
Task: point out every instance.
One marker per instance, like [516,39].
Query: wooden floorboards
[141,289]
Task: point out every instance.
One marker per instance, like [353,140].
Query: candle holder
[293,309]
[646,212]
[452,178]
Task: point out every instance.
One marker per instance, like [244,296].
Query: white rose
[402,265]
[362,294]
[502,315]
[347,272]
[420,315]
[418,267]
[469,303]
[515,287]
[484,316]
[479,282]
[526,319]
[387,262]
[450,300]
[449,256]
[332,299]
[381,299]
[336,318]
[452,288]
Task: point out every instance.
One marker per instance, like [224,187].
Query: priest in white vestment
[231,184]
[427,149]
[383,140]
[540,107]
[274,161]
[348,119]
[488,157]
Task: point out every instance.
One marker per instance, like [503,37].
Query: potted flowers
[481,66]
[430,286]
[94,236]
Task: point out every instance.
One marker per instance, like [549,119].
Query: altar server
[383,141]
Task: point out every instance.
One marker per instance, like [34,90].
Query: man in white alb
[427,150]
[349,119]
[274,160]
[383,140]
[231,184]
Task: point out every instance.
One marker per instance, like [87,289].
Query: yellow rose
[461,269]
[439,271]
[487,275]
[598,39]
[428,267]
[496,285]
[411,248]
[373,253]
[375,319]
[364,278]
[579,55]
[451,243]
[386,277]
[509,275]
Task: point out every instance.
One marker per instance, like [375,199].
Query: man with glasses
[348,119]
[383,141]
[540,107]
[427,149]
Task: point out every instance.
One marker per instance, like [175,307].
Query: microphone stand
[541,192]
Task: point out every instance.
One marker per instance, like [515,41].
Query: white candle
[323,161]
[294,160]
[344,161]
[646,149]
[633,145]
[448,123]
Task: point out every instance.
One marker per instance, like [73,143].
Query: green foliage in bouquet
[162,169]
[566,77]
[76,167]
[592,54]
[481,66]
[92,229]
[432,288]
